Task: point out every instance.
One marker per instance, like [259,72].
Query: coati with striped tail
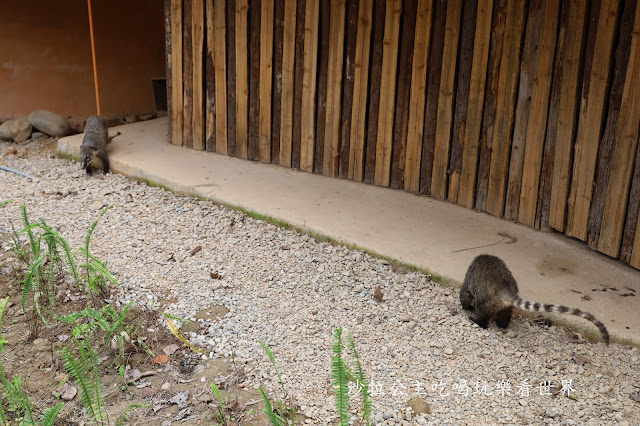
[94,143]
[491,291]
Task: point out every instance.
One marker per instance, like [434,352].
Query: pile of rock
[43,122]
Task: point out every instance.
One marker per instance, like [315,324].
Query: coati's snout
[87,157]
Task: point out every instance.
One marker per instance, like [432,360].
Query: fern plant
[96,273]
[47,262]
[107,319]
[342,375]
[85,371]
[361,379]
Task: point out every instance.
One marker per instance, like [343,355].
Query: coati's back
[490,283]
[94,141]
[95,130]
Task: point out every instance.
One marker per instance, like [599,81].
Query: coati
[94,143]
[491,291]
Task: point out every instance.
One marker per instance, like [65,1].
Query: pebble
[294,299]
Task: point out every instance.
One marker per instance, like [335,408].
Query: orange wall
[45,56]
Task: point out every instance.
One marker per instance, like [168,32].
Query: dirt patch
[176,390]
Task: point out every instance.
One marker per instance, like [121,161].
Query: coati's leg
[466,299]
[105,163]
[88,169]
[482,316]
[504,317]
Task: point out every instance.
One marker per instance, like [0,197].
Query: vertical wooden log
[417,96]
[276,91]
[232,106]
[625,148]
[498,23]
[321,98]
[187,76]
[266,73]
[633,212]
[590,124]
[210,131]
[168,64]
[307,131]
[253,142]
[509,68]
[347,86]
[635,253]
[176,112]
[334,89]
[360,90]
[401,121]
[220,65]
[288,55]
[242,78]
[297,84]
[374,90]
[571,42]
[434,70]
[610,138]
[445,100]
[528,64]
[387,92]
[465,62]
[473,122]
[538,115]
[197,35]
[543,210]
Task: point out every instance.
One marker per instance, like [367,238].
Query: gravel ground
[293,292]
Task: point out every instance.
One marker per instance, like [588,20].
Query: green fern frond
[18,249]
[66,248]
[18,399]
[3,306]
[27,228]
[98,266]
[3,417]
[50,414]
[84,370]
[340,374]
[362,379]
[31,279]
[87,239]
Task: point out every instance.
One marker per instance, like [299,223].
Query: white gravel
[295,298]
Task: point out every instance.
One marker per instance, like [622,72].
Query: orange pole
[93,56]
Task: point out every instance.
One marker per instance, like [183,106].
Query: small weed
[279,412]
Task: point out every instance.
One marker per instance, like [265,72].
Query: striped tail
[526,305]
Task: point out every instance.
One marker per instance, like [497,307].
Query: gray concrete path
[439,236]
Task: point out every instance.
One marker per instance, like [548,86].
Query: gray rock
[4,131]
[37,135]
[49,123]
[17,130]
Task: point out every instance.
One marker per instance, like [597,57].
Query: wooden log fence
[524,109]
